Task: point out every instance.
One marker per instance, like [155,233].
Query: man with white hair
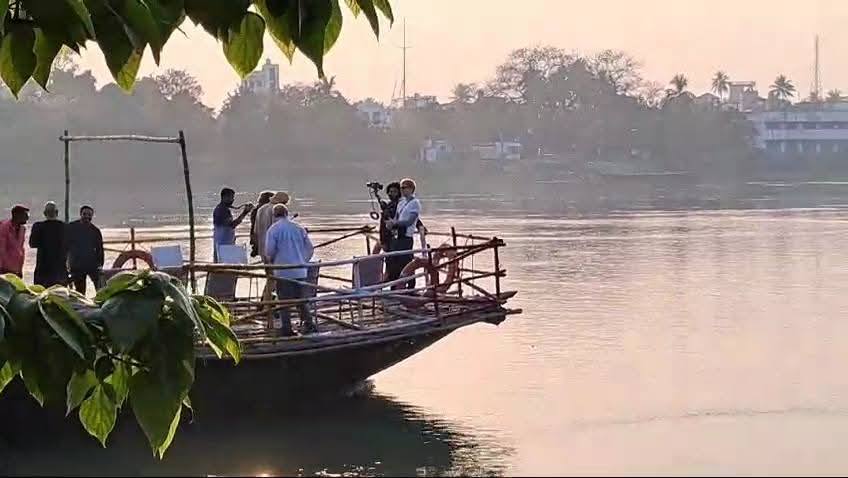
[287,243]
[48,237]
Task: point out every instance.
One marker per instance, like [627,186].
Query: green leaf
[8,372]
[4,318]
[122,56]
[370,12]
[4,7]
[385,7]
[120,382]
[7,290]
[167,15]
[141,27]
[155,411]
[334,26]
[216,16]
[130,316]
[121,282]
[98,413]
[280,19]
[46,49]
[171,287]
[219,336]
[64,327]
[82,13]
[78,387]
[354,7]
[32,378]
[59,296]
[17,61]
[243,45]
[16,282]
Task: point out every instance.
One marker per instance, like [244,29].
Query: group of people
[66,253]
[278,240]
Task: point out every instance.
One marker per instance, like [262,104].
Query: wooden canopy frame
[180,140]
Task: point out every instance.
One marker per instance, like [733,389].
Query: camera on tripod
[375,186]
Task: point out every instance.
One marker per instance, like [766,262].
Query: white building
[265,80]
[508,150]
[435,150]
[375,114]
[818,129]
[743,96]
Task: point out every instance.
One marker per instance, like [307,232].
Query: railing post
[433,284]
[458,266]
[496,242]
[67,177]
[132,247]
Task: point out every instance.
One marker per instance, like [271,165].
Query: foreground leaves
[136,341]
[123,29]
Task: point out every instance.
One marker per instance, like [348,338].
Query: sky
[464,40]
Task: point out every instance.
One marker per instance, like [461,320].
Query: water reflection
[359,436]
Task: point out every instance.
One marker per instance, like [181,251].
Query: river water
[650,343]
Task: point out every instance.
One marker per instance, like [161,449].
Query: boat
[364,326]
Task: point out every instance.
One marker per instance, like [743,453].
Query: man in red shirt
[12,232]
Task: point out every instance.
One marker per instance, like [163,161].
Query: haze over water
[695,343]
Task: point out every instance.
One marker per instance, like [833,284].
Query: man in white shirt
[403,228]
[288,243]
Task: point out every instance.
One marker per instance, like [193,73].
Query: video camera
[374,186]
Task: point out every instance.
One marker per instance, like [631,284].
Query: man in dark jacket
[48,237]
[85,250]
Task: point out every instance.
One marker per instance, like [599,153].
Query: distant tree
[617,68]
[524,66]
[651,94]
[721,84]
[834,96]
[782,89]
[173,83]
[327,86]
[679,83]
[464,93]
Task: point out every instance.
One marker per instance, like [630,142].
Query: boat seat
[169,259]
[222,285]
[367,272]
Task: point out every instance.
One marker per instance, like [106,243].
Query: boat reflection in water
[362,435]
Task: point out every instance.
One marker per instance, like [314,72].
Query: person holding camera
[403,229]
[388,209]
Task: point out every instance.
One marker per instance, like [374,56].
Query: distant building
[420,102]
[374,114]
[506,150]
[435,150]
[708,100]
[810,130]
[265,80]
[743,96]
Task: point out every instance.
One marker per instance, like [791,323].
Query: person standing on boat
[403,228]
[263,199]
[48,236]
[287,242]
[388,212]
[265,219]
[224,232]
[12,232]
[85,250]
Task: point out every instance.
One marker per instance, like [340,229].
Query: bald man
[48,236]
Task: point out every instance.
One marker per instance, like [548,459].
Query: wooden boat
[363,326]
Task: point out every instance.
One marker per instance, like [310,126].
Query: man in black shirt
[85,250]
[48,237]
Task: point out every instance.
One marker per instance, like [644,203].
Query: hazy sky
[463,40]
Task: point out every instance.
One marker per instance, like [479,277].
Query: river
[650,343]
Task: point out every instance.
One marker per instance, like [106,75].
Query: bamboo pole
[192,244]
[121,137]
[67,179]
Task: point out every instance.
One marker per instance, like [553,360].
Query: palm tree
[783,89]
[721,84]
[834,96]
[679,82]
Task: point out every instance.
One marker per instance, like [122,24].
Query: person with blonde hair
[48,237]
[403,228]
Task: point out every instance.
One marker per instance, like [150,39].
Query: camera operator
[388,209]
